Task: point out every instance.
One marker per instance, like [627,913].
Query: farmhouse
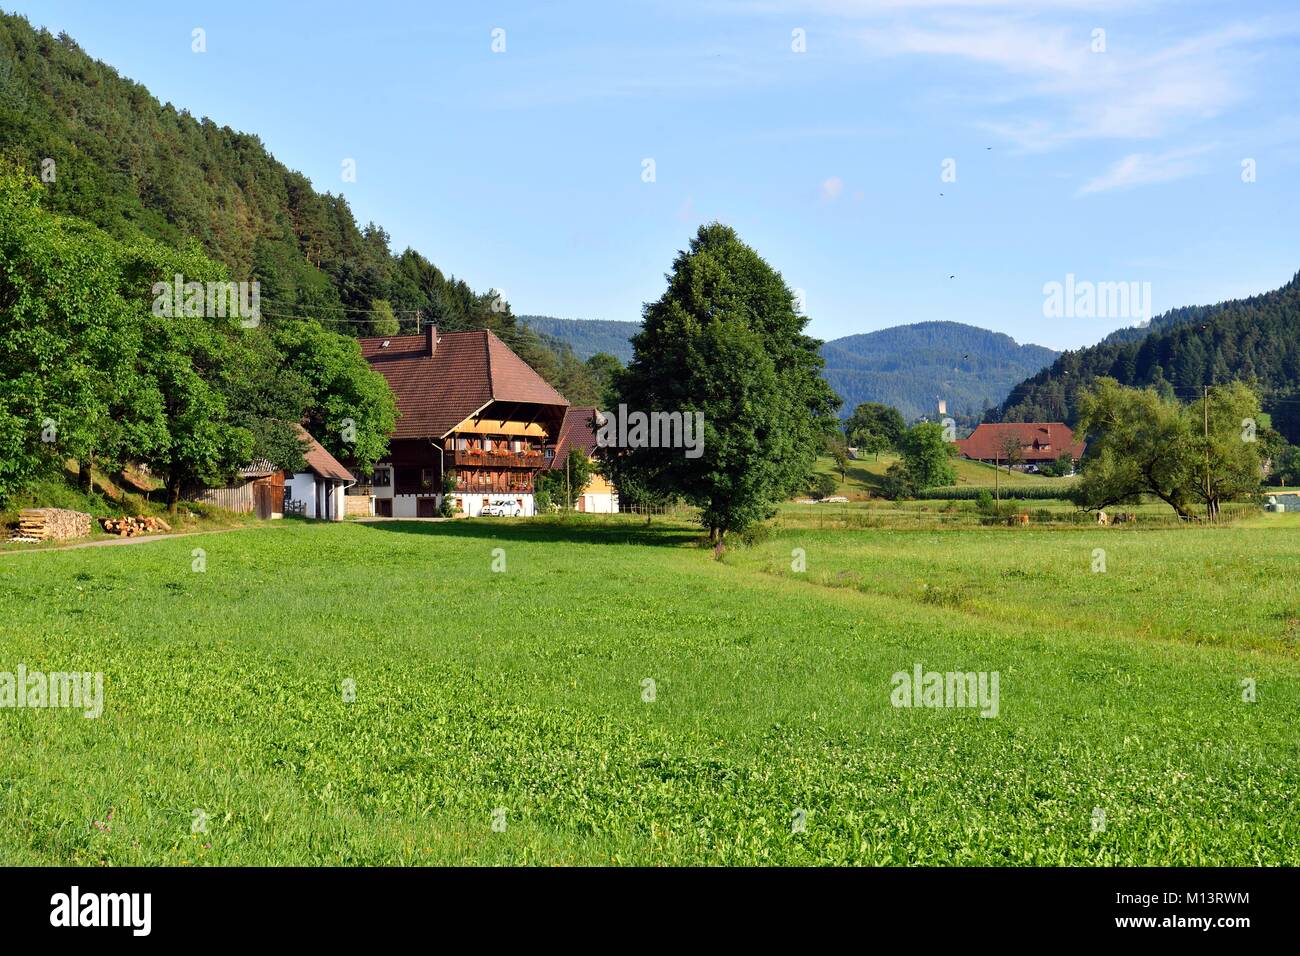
[468,405]
[579,431]
[317,492]
[1039,442]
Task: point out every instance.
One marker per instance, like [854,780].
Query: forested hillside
[111,154]
[1256,340]
[912,367]
[588,337]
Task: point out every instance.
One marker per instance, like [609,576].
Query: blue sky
[523,169]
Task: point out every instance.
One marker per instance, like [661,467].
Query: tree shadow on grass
[659,533]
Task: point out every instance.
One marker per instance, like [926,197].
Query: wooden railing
[496,459]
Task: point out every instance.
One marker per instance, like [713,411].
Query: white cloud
[1138,169]
[1065,93]
[832,188]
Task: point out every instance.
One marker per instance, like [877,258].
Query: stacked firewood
[129,527]
[45,524]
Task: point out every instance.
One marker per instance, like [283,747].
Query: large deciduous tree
[725,341]
[874,427]
[927,456]
[1144,442]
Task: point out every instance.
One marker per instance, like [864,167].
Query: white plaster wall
[600,504]
[302,487]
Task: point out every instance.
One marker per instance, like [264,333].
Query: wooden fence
[232,497]
[676,510]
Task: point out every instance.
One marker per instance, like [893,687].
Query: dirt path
[140,539]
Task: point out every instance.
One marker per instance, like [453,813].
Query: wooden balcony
[495,459]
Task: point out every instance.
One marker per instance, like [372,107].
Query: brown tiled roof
[321,461]
[466,371]
[578,431]
[1039,441]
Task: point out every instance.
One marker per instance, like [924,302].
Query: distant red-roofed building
[466,404]
[1040,442]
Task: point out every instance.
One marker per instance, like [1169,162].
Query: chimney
[431,339]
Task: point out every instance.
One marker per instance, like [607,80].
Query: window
[381,478]
[426,478]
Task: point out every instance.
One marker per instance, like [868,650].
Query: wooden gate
[268,499]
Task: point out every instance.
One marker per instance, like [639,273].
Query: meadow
[614,695]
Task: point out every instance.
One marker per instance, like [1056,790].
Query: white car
[503,508]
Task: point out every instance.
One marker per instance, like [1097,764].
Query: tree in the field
[726,342]
[1286,467]
[1011,450]
[351,410]
[897,483]
[874,427]
[927,457]
[838,449]
[822,485]
[1142,442]
[1225,451]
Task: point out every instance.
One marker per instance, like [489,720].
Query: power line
[340,308]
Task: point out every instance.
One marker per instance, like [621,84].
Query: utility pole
[1205,404]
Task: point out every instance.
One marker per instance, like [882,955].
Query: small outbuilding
[321,490]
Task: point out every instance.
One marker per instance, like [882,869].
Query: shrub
[822,485]
[897,483]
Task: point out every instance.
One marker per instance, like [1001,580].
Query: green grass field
[522,692]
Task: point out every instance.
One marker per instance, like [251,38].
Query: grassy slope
[862,477]
[522,690]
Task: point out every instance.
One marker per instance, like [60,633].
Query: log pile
[130,527]
[51,524]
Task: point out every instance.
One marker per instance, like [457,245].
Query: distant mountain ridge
[914,367]
[910,367]
[1256,339]
[587,336]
